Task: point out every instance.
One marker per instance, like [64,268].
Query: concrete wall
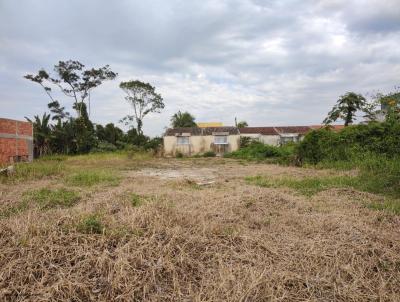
[273,140]
[16,141]
[199,144]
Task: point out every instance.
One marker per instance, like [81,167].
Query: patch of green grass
[306,186]
[312,185]
[92,177]
[14,209]
[390,205]
[136,200]
[35,170]
[91,224]
[47,199]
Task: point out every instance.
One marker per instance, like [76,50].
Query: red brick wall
[10,147]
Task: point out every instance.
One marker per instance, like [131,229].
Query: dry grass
[230,241]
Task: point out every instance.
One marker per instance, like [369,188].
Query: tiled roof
[248,130]
[293,129]
[259,130]
[195,131]
[333,127]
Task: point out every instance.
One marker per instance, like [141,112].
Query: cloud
[269,62]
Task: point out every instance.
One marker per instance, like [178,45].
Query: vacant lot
[119,227]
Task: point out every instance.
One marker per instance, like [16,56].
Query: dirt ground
[200,233]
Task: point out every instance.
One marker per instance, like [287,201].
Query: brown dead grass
[229,241]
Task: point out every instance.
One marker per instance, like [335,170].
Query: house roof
[333,127]
[293,129]
[196,131]
[259,130]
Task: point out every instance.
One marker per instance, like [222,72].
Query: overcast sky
[266,62]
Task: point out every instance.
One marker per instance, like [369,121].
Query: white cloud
[269,62]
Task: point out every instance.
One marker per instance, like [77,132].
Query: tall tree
[346,108]
[144,100]
[73,80]
[242,124]
[183,119]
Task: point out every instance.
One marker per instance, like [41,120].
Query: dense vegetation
[59,132]
[373,149]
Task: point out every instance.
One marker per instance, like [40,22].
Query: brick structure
[16,141]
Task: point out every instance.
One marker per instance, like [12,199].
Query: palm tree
[182,120]
[41,133]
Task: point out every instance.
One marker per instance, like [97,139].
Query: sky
[271,63]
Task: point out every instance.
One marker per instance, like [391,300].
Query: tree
[144,100]
[242,124]
[73,80]
[41,133]
[183,119]
[346,108]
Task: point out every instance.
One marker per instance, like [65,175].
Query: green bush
[104,146]
[350,143]
[179,154]
[209,154]
[91,224]
[258,150]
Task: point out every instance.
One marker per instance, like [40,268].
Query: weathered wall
[273,140]
[199,144]
[16,139]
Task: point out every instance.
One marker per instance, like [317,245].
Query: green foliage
[389,205]
[183,120]
[47,199]
[258,150]
[179,154]
[136,200]
[103,146]
[91,224]
[36,170]
[346,108]
[245,141]
[209,154]
[91,178]
[242,124]
[325,145]
[144,100]
[14,209]
[73,81]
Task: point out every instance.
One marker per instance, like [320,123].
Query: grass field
[129,227]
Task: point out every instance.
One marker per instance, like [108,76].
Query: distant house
[276,135]
[190,141]
[16,141]
[195,140]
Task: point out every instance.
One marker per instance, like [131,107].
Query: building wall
[16,139]
[273,140]
[199,144]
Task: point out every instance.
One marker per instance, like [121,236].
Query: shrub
[258,150]
[91,224]
[245,141]
[209,154]
[104,146]
[179,154]
[350,143]
[136,200]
